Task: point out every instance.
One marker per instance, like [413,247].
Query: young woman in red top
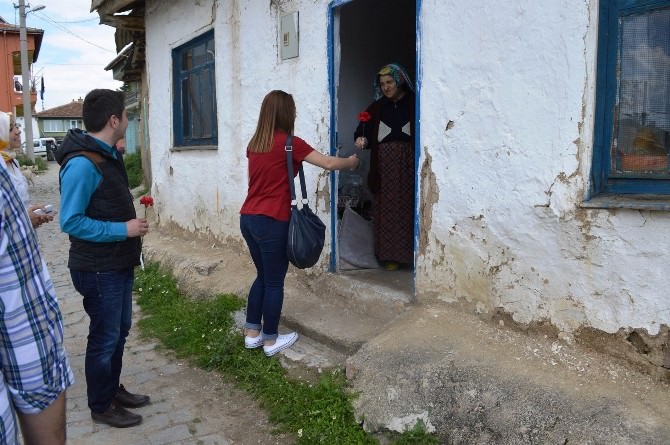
[265,215]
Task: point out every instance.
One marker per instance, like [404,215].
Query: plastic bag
[357,241]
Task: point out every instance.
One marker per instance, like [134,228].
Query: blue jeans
[266,238]
[108,303]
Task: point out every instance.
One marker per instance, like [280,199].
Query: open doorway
[366,35]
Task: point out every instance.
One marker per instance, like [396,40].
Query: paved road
[188,404]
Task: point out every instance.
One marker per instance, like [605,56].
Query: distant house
[128,67]
[11,89]
[55,122]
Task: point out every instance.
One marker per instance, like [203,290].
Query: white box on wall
[288,36]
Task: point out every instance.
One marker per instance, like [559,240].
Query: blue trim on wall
[177,131]
[417,138]
[330,40]
[336,4]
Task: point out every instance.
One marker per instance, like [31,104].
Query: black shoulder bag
[306,231]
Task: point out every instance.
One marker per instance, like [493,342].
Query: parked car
[43,147]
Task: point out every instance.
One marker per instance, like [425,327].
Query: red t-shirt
[269,192]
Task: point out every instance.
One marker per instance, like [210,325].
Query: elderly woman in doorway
[389,135]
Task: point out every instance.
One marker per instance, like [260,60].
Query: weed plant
[203,331]
[133,163]
[40,163]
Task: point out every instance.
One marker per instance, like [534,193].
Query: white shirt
[20,182]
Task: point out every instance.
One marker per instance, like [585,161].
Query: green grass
[133,163]
[41,164]
[203,331]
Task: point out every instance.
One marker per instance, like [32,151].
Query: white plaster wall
[203,190]
[500,214]
[517,79]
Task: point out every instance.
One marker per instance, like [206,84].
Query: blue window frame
[194,101]
[632,130]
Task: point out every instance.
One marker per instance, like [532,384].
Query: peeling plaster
[430,195]
[323,190]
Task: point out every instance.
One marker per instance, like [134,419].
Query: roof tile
[73,109]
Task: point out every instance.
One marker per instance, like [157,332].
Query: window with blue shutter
[194,101]
[632,130]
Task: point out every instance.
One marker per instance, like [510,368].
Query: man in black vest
[97,212]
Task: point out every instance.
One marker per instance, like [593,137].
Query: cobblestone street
[188,405]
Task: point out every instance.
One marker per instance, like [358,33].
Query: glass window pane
[210,50]
[53,126]
[185,100]
[642,113]
[199,55]
[204,109]
[186,60]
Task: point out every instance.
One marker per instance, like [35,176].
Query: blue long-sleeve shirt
[79,180]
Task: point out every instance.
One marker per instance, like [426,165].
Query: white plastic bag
[357,241]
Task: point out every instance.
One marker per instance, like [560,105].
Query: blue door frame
[335,4]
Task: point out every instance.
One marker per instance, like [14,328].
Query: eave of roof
[36,32]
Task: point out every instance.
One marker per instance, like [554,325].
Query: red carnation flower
[364,116]
[147,201]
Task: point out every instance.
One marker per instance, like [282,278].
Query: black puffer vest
[111,201]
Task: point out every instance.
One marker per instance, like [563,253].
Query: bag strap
[288,147]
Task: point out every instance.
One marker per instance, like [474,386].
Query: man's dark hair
[99,106]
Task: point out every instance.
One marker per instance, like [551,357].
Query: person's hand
[137,227]
[37,219]
[355,161]
[361,142]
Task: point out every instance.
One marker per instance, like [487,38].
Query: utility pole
[25,73]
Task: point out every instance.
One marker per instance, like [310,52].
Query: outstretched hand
[355,161]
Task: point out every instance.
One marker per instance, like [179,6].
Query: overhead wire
[49,19]
[63,25]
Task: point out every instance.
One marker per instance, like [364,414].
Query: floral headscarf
[399,74]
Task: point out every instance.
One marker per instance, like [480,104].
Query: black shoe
[117,416]
[128,400]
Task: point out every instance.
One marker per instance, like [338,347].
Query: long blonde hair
[277,113]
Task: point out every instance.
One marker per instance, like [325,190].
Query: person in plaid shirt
[35,371]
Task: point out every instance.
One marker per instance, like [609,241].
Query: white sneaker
[283,341]
[253,342]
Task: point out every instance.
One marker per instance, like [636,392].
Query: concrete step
[339,310]
[338,324]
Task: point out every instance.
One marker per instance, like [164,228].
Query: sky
[75,49]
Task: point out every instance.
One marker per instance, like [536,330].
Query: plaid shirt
[35,369]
